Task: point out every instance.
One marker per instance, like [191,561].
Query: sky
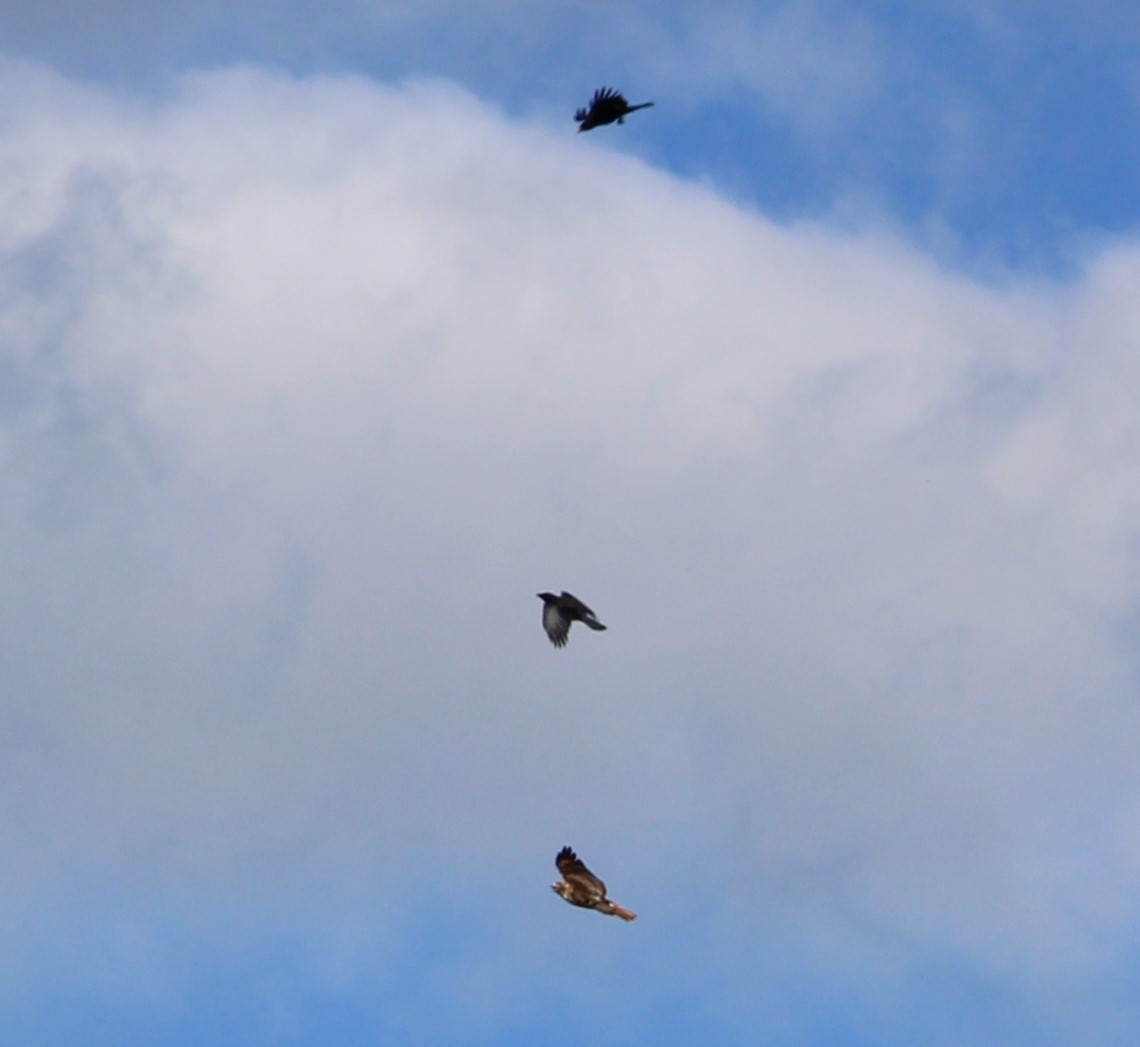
[326,343]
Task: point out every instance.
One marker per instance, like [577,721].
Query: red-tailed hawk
[559,611]
[606,106]
[581,887]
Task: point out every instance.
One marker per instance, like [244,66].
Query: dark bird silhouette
[606,106]
[581,887]
[559,611]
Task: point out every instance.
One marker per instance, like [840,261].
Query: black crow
[559,611]
[606,106]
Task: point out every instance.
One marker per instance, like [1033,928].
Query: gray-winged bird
[559,611]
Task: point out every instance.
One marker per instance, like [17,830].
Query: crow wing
[605,107]
[556,624]
[607,96]
[574,607]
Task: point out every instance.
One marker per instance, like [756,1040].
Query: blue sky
[327,343]
[1001,132]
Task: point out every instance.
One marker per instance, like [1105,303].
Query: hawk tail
[594,624]
[625,914]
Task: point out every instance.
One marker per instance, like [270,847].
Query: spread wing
[575,611]
[607,96]
[586,885]
[569,602]
[556,624]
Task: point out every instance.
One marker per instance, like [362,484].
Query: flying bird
[606,106]
[581,887]
[559,611]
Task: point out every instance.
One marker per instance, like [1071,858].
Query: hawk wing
[586,885]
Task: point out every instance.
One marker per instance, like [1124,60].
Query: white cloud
[312,385]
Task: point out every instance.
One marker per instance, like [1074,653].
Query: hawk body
[581,887]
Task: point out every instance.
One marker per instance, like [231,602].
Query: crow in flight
[606,106]
[581,887]
[559,611]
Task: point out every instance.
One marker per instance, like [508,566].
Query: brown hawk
[581,887]
[606,106]
[559,611]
